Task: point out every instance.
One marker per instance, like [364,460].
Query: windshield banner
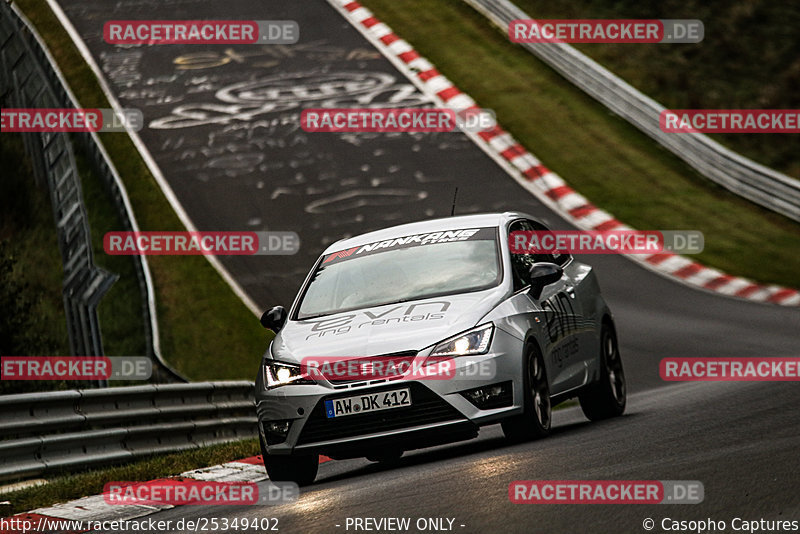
[416,240]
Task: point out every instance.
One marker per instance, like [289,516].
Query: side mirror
[543,274]
[274,319]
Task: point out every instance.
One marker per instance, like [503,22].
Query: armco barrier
[755,182]
[31,78]
[60,430]
[26,83]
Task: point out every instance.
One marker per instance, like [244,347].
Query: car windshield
[402,269]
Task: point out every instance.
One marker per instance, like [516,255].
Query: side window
[521,263]
[558,257]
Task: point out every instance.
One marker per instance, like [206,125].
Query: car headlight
[476,341]
[280,374]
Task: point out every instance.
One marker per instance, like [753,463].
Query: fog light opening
[276,431]
[493,396]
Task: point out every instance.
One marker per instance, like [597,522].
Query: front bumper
[439,413]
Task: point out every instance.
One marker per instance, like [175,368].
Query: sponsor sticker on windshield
[415,240]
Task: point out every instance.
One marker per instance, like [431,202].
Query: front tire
[606,398]
[534,423]
[300,469]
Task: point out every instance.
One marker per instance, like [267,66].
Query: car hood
[389,329]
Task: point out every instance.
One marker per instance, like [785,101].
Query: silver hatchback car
[419,334]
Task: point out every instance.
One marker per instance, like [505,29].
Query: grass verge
[120,310]
[62,488]
[206,331]
[33,313]
[748,59]
[602,156]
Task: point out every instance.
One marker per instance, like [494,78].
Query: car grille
[426,408]
[342,383]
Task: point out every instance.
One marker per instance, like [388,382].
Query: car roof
[480,220]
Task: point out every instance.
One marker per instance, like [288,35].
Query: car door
[560,310]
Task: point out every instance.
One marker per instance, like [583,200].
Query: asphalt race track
[222,124]
[732,438]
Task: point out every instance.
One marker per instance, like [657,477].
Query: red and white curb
[546,185]
[95,507]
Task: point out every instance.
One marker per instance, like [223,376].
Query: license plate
[368,403]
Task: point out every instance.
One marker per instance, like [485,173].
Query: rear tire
[300,469]
[607,397]
[534,423]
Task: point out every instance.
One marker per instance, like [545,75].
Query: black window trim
[563,264]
